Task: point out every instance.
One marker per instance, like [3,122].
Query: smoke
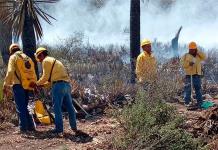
[99,25]
[109,23]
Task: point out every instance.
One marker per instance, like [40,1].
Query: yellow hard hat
[192,45]
[12,46]
[40,50]
[145,42]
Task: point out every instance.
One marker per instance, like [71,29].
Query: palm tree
[5,37]
[175,44]
[134,35]
[5,40]
[24,17]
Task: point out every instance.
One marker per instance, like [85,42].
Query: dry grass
[7,113]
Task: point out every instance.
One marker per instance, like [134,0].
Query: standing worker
[146,65]
[55,72]
[191,63]
[20,74]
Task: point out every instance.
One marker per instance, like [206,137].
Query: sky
[110,23]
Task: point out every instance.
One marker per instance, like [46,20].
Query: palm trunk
[175,43]
[134,36]
[5,40]
[29,39]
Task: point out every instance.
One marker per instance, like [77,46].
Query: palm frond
[45,1]
[14,12]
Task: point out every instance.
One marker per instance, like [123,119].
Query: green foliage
[15,13]
[152,124]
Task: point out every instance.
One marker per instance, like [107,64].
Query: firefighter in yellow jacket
[55,73]
[191,63]
[146,65]
[21,94]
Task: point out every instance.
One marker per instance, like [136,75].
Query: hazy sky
[199,19]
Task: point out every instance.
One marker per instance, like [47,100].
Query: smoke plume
[109,24]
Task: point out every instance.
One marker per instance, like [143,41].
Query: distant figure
[146,65]
[175,44]
[191,63]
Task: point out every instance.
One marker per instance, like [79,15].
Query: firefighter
[146,65]
[191,63]
[15,77]
[55,73]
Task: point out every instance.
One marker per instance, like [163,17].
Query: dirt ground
[201,123]
[182,110]
[97,132]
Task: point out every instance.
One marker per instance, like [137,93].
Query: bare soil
[97,133]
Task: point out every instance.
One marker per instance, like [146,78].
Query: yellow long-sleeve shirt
[11,78]
[196,68]
[59,72]
[146,67]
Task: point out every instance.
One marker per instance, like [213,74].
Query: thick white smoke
[106,25]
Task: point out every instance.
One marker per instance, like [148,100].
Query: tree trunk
[134,35]
[175,43]
[29,39]
[5,40]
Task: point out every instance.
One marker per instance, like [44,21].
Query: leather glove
[191,63]
[33,85]
[5,90]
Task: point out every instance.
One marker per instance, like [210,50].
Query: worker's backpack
[26,69]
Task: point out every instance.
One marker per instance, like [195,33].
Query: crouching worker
[56,73]
[146,65]
[20,74]
[191,63]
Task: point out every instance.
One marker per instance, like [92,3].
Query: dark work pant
[61,95]
[21,99]
[196,84]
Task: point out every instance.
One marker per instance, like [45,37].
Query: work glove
[5,90]
[33,85]
[191,63]
[140,80]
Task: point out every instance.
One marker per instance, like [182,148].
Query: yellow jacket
[59,71]
[196,68]
[146,67]
[10,78]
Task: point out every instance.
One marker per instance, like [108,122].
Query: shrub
[152,124]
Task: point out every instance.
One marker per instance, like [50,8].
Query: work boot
[31,129]
[188,105]
[20,132]
[74,129]
[77,131]
[193,107]
[54,131]
[80,133]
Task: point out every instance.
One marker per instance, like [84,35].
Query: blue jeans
[61,95]
[21,97]
[196,82]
